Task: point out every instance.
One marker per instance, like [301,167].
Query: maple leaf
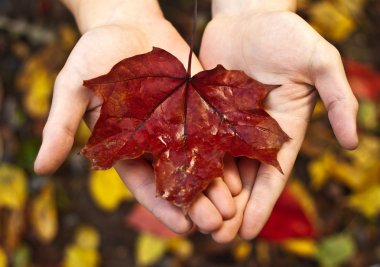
[142,220]
[364,80]
[288,219]
[153,105]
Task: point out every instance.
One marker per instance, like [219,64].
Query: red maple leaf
[152,105]
[143,220]
[288,220]
[364,80]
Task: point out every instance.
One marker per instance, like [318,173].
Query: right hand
[278,47]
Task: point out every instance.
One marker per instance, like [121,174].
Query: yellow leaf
[362,170]
[87,237]
[367,155]
[330,21]
[304,198]
[302,4]
[11,229]
[319,169]
[149,249]
[82,134]
[300,247]
[242,250]
[181,247]
[366,202]
[76,256]
[107,189]
[358,169]
[68,37]
[13,189]
[263,252]
[319,110]
[44,215]
[3,258]
[353,7]
[37,101]
[37,83]
[84,250]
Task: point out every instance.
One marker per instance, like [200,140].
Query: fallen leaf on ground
[43,214]
[335,250]
[22,256]
[149,249]
[13,187]
[353,7]
[301,247]
[12,229]
[366,202]
[144,221]
[330,21]
[242,250]
[358,169]
[84,250]
[180,247]
[288,220]
[107,189]
[3,258]
[364,80]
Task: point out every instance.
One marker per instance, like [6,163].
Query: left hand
[113,30]
[278,48]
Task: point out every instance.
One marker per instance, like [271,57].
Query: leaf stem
[194,26]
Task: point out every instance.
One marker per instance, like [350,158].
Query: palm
[274,49]
[277,48]
[95,53]
[99,49]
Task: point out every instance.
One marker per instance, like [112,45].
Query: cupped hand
[279,48]
[95,53]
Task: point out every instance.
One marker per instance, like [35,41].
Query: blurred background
[327,216]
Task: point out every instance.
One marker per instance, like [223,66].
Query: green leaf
[335,250]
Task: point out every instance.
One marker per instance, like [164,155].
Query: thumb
[331,82]
[69,103]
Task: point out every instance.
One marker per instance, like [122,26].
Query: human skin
[272,44]
[111,31]
[265,39]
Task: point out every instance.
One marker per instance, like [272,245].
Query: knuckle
[326,56]
[229,212]
[176,222]
[210,224]
[355,104]
[271,180]
[179,228]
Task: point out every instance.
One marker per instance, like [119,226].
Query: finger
[231,175]
[205,215]
[221,197]
[138,176]
[69,103]
[229,229]
[270,182]
[335,91]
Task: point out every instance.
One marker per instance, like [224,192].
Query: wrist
[238,7]
[90,14]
